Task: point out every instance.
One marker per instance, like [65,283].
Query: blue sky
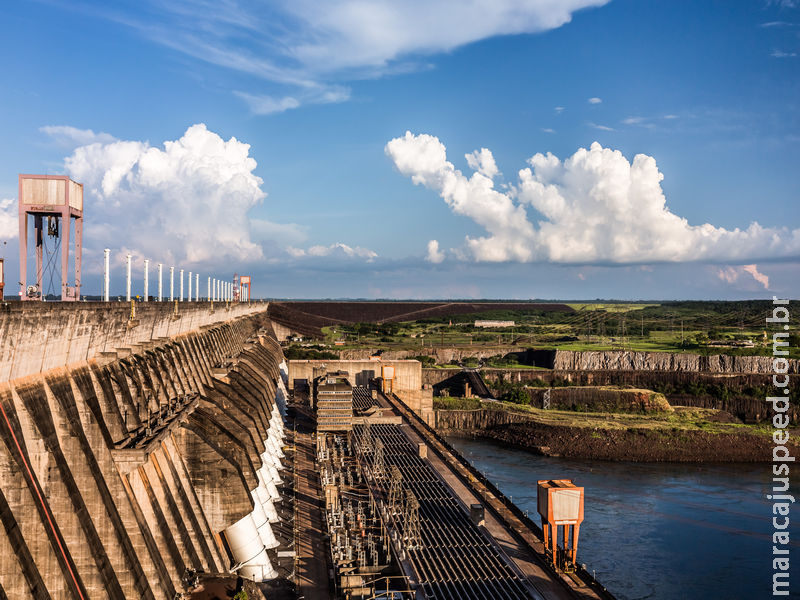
[321,204]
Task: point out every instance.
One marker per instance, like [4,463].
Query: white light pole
[171,284]
[160,268]
[128,285]
[107,273]
[146,278]
[209,289]
[197,287]
[180,298]
[189,297]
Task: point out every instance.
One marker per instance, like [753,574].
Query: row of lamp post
[217,289]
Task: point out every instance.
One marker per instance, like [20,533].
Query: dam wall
[39,336]
[122,466]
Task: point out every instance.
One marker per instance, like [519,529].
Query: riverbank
[660,506]
[686,435]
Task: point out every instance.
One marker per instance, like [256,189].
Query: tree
[517,395]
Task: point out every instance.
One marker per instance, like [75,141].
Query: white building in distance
[494,323]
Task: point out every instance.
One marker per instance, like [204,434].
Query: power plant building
[488,323]
[333,398]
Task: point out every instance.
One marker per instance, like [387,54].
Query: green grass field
[697,327]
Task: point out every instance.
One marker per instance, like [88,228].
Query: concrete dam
[137,449]
[158,450]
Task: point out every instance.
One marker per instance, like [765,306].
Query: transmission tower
[411,520]
[379,467]
[395,490]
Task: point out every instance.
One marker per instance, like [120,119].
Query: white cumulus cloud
[593,207]
[483,162]
[9,219]
[424,159]
[186,201]
[434,255]
[595,100]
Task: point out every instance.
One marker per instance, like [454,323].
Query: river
[658,530]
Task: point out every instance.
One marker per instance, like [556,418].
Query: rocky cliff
[601,399]
[664,361]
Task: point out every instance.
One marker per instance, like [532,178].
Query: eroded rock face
[567,360]
[602,399]
[664,361]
